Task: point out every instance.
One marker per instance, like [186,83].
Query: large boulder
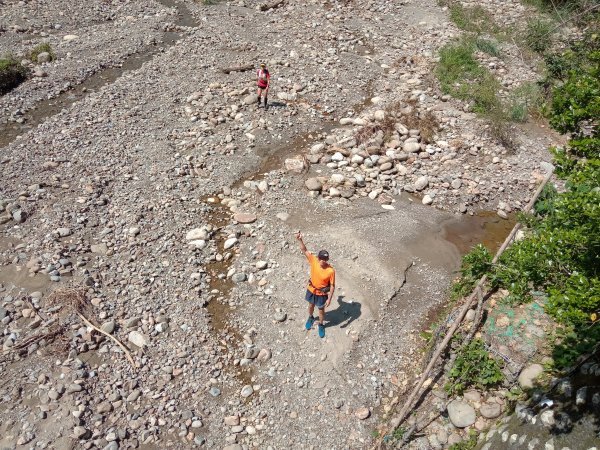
[461,414]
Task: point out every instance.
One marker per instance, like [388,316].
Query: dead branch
[75,300]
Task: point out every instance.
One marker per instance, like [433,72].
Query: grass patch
[487,46]
[474,19]
[538,35]
[12,73]
[461,76]
[44,47]
[524,102]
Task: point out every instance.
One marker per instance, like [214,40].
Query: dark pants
[317,300]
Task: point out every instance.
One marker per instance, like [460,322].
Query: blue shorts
[317,300]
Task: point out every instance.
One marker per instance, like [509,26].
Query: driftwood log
[240,68]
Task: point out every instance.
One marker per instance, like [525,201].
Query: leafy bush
[462,76]
[474,265]
[474,367]
[12,73]
[538,35]
[44,47]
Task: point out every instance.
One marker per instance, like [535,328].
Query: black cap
[324,255]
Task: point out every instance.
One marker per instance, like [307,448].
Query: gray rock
[101,249]
[456,183]
[529,374]
[250,99]
[137,339]
[214,391]
[283,216]
[313,184]
[246,391]
[279,316]
[134,395]
[197,233]
[44,57]
[547,418]
[239,277]
[108,327]
[490,410]
[63,232]
[461,414]
[421,183]
[19,216]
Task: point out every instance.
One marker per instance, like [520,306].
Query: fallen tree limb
[270,5]
[111,337]
[240,68]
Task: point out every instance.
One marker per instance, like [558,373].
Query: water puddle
[48,108]
[485,227]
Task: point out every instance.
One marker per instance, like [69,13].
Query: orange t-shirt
[320,278]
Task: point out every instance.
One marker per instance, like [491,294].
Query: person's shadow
[344,314]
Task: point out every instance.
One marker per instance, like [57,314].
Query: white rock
[427,200]
[70,37]
[337,156]
[346,121]
[197,233]
[230,243]
[137,339]
[421,183]
[198,243]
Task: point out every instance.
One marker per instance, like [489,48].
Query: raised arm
[302,246]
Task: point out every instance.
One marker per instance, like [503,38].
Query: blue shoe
[309,322]
[321,330]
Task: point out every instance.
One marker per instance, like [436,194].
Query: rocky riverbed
[163,196]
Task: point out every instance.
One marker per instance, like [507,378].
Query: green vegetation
[475,264]
[487,46]
[462,76]
[473,19]
[12,73]
[42,48]
[538,35]
[468,444]
[560,254]
[474,367]
[524,102]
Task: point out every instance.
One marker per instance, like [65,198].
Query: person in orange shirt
[321,285]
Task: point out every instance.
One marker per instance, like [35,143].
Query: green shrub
[462,76]
[12,73]
[524,102]
[42,48]
[474,265]
[473,367]
[538,35]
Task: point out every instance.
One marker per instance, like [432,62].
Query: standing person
[263,80]
[321,285]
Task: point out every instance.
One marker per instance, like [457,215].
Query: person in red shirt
[321,285]
[263,80]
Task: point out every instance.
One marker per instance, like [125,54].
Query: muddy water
[48,108]
[485,227]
